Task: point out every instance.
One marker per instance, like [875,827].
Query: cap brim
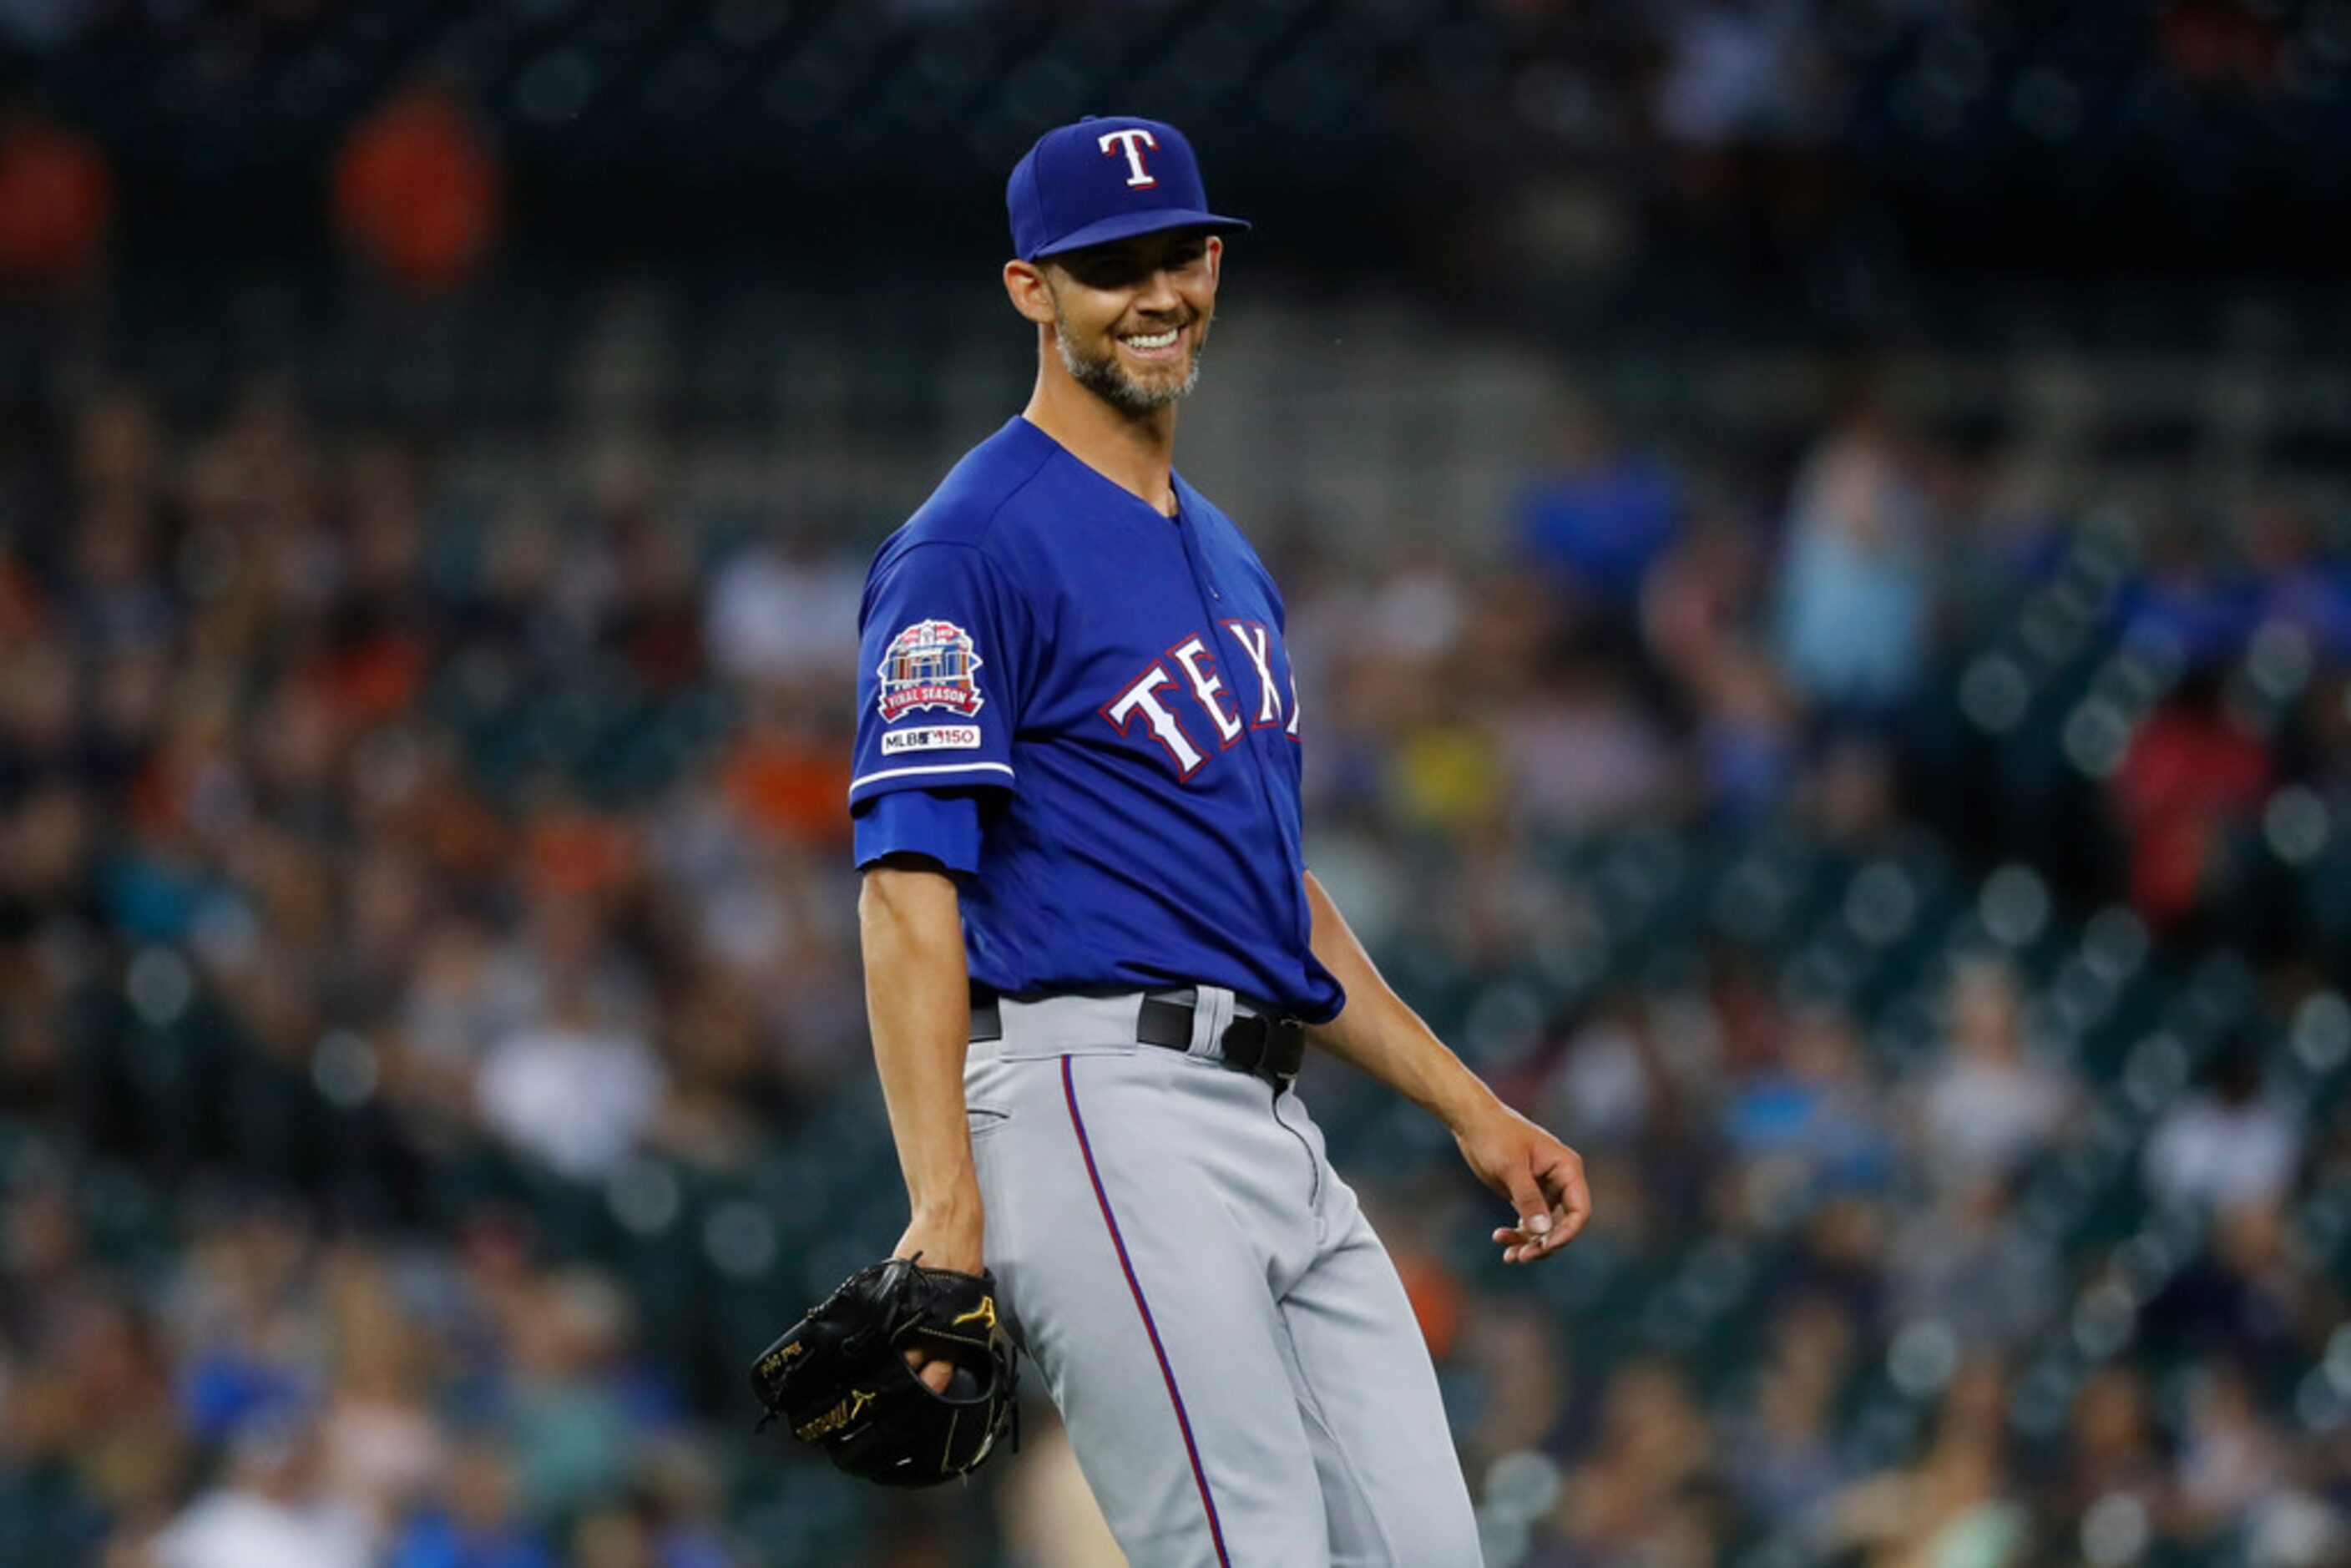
[1126,225]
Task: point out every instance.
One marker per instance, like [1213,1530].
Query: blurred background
[1818,543]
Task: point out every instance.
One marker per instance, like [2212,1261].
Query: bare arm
[918,1004]
[1542,1177]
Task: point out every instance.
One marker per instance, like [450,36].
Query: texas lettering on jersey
[1191,667]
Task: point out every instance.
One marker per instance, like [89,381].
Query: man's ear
[1215,258]
[1025,286]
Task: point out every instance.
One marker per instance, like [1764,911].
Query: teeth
[1152,340]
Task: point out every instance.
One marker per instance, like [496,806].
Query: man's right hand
[945,1240]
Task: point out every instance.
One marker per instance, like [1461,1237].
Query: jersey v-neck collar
[1175,480]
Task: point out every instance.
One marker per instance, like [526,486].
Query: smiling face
[1130,318]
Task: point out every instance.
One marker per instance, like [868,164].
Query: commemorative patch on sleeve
[930,665]
[931,737]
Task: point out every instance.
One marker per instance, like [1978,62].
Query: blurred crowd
[278,1401]
[1528,145]
[1888,1211]
[1813,659]
[448,831]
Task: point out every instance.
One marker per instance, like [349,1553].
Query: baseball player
[1094,953]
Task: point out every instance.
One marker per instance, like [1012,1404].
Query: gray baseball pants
[1227,1340]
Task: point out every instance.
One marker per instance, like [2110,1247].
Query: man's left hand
[1542,1177]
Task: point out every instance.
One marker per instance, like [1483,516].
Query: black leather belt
[1271,1046]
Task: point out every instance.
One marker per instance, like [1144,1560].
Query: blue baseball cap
[1102,179]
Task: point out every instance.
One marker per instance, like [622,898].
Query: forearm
[1541,1177]
[1377,1033]
[918,1005]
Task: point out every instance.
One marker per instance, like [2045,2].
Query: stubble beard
[1108,379]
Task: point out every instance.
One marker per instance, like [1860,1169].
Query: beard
[1103,376]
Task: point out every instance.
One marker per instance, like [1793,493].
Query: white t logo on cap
[1132,142]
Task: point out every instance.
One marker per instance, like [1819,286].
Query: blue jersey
[1112,685]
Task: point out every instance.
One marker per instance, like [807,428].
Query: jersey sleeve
[941,643]
[939,826]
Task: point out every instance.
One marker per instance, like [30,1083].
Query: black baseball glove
[841,1381]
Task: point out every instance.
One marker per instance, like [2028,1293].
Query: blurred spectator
[465,992]
[1782,1457]
[788,772]
[418,189]
[1852,621]
[1699,621]
[611,1535]
[2230,1459]
[1604,1086]
[1639,1496]
[573,1428]
[1701,599]
[1812,1125]
[2227,1144]
[1599,517]
[724,1094]
[56,203]
[115,594]
[1987,1108]
[2184,607]
[1746,741]
[1446,773]
[382,1446]
[571,1089]
[1840,1255]
[87,1434]
[1848,796]
[682,1498]
[2113,1456]
[656,623]
[1746,97]
[2191,774]
[472,1522]
[1953,1505]
[1585,756]
[2246,1294]
[118,1400]
[1735,73]
[2302,583]
[42,1257]
[240,1303]
[268,1512]
[1523,1386]
[1968,1266]
[779,611]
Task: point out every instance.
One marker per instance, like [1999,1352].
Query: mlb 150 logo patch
[931,737]
[931,664]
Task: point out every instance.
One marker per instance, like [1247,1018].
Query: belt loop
[1210,1014]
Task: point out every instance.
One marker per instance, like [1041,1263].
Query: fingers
[1553,1203]
[1527,1197]
[1534,1230]
[1571,1196]
[934,1370]
[1523,1246]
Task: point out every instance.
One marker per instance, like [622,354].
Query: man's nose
[1158,290]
